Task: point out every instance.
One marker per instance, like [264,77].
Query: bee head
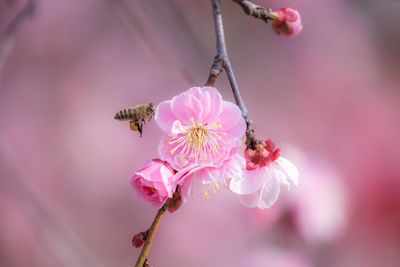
[151,108]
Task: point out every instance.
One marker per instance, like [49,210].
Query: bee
[137,116]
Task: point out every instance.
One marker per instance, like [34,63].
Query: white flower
[265,175]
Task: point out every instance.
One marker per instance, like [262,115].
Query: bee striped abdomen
[124,115]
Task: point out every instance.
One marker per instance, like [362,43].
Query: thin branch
[216,69]
[150,235]
[256,11]
[26,11]
[54,233]
[221,61]
[6,36]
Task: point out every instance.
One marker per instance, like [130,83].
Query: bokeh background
[329,98]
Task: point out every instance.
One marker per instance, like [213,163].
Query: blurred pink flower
[320,203]
[288,22]
[200,128]
[272,256]
[155,181]
[317,209]
[266,172]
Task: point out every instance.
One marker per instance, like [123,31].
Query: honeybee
[137,116]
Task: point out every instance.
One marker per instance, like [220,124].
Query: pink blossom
[200,128]
[265,173]
[155,181]
[287,22]
[207,180]
[264,255]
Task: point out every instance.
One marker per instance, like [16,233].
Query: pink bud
[275,154]
[138,239]
[287,22]
[155,181]
[147,264]
[269,145]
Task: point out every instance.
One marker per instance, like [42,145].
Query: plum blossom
[200,129]
[287,22]
[199,152]
[208,179]
[266,172]
[155,181]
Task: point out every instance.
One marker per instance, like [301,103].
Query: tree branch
[7,34]
[150,235]
[26,11]
[221,61]
[256,11]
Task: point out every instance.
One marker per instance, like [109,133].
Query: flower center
[197,136]
[264,154]
[197,142]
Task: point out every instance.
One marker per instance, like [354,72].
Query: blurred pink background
[330,98]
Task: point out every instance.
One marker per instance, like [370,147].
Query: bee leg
[140,128]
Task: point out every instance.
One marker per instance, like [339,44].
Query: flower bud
[139,239]
[287,22]
[147,264]
[175,202]
[155,181]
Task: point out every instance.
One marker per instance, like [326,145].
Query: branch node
[221,61]
[256,11]
[216,69]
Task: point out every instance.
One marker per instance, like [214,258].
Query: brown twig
[6,36]
[221,61]
[150,234]
[216,69]
[256,11]
[26,11]
[54,234]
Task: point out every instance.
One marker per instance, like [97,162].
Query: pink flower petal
[202,176]
[265,197]
[250,182]
[270,192]
[150,172]
[211,101]
[186,189]
[289,169]
[162,189]
[229,169]
[164,151]
[164,116]
[186,108]
[234,167]
[230,116]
